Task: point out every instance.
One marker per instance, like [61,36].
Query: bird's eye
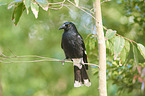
[67,25]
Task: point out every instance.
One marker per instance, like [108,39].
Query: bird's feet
[62,62]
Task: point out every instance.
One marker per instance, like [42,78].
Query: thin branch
[92,64]
[86,12]
[92,9]
[88,9]
[56,3]
[61,4]
[56,7]
[87,28]
[127,39]
[2,55]
[11,51]
[81,9]
[43,59]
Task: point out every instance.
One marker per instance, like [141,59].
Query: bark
[102,50]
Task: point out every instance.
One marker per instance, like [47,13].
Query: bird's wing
[61,44]
[81,42]
[83,49]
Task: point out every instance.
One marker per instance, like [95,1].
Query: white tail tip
[77,84]
[87,83]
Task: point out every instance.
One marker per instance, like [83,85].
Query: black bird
[74,48]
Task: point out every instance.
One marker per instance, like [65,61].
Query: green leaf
[127,46]
[18,10]
[107,44]
[3,4]
[125,51]
[13,15]
[13,3]
[123,55]
[27,4]
[110,33]
[43,4]
[118,45]
[77,2]
[141,49]
[110,45]
[135,55]
[35,9]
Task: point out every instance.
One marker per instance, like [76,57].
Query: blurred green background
[41,37]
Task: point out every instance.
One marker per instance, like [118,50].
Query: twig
[81,9]
[55,7]
[57,3]
[87,9]
[61,4]
[92,64]
[43,59]
[87,28]
[127,39]
[85,12]
[11,51]
[92,9]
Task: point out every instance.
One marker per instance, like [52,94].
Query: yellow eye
[68,25]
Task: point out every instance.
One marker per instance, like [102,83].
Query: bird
[74,48]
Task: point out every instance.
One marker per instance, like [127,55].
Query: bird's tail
[80,74]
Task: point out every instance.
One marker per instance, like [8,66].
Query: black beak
[62,27]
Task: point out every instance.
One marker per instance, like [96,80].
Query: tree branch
[6,59]
[127,39]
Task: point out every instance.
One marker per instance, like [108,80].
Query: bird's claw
[62,62]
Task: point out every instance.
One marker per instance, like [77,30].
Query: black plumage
[74,49]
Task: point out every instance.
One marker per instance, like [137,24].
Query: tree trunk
[102,50]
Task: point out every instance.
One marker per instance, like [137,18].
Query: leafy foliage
[110,33]
[118,45]
[126,71]
[35,9]
[43,4]
[27,4]
[20,5]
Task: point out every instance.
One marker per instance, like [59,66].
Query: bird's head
[67,26]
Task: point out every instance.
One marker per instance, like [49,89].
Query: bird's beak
[62,27]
